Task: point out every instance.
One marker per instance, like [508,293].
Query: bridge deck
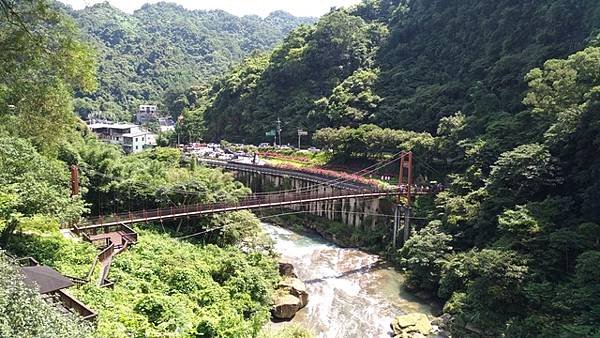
[347,183]
[114,237]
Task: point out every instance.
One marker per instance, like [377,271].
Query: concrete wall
[349,211]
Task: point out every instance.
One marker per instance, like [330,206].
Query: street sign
[270,133]
[302,132]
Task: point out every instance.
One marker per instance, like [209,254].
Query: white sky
[237,7]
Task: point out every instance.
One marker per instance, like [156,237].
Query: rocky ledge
[411,325]
[290,295]
[417,325]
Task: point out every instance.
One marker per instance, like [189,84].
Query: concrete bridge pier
[355,212]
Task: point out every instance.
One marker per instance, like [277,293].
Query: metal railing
[94,225]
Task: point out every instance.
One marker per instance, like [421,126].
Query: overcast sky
[237,7]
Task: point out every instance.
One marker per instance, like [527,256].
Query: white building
[166,124]
[146,113]
[132,138]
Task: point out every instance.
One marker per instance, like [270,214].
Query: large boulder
[285,307]
[286,269]
[295,287]
[411,323]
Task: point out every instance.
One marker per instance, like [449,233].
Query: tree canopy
[164,48]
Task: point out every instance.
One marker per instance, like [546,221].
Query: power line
[285,214]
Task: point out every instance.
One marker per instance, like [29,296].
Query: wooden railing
[104,281]
[75,305]
[126,232]
[106,253]
[27,261]
[92,268]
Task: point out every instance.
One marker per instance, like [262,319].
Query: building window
[136,139]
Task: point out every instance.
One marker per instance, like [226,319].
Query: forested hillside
[206,286]
[400,64]
[164,47]
[499,100]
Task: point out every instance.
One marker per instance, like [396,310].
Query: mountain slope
[164,46]
[407,64]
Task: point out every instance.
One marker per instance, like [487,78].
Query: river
[351,293]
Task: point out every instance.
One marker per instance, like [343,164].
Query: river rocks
[285,307]
[295,287]
[442,321]
[286,269]
[291,293]
[411,325]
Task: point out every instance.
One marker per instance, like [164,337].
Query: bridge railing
[249,202]
[126,232]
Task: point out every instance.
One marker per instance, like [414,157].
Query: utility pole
[279,130]
[74,180]
[406,163]
[396,223]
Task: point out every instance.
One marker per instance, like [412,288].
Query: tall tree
[43,62]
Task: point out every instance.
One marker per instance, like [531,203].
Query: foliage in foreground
[32,184]
[517,232]
[287,331]
[23,312]
[170,287]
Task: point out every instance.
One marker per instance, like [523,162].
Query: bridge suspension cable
[339,180]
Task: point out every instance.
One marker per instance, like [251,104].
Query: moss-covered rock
[411,323]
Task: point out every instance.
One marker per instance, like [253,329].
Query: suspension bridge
[113,233]
[114,228]
[349,186]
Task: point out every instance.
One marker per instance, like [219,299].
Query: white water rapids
[351,293]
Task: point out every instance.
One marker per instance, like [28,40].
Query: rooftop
[45,279]
[136,134]
[112,126]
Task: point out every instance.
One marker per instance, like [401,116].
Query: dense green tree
[295,81]
[522,173]
[32,184]
[565,93]
[172,287]
[423,255]
[372,141]
[162,49]
[23,312]
[472,56]
[42,63]
[485,288]
[353,101]
[190,126]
